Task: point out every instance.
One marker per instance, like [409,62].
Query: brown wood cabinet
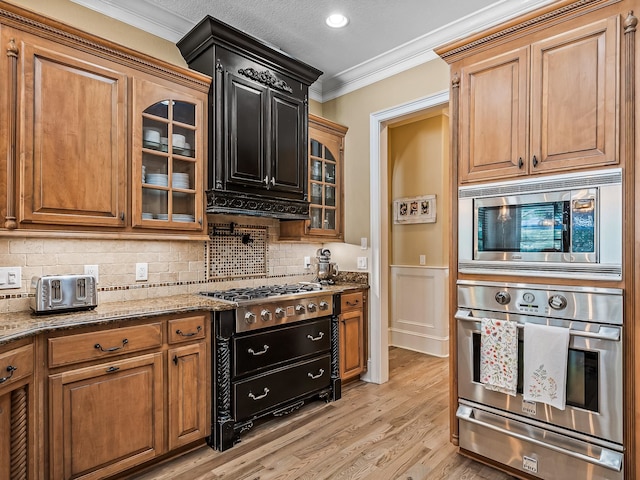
[17,412]
[544,106]
[75,111]
[326,165]
[119,397]
[352,335]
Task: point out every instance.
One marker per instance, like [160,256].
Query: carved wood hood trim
[266,78]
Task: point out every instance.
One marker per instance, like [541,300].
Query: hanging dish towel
[499,355]
[545,364]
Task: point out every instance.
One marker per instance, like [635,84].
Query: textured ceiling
[382,36]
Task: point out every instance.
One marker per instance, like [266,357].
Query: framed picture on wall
[415,209]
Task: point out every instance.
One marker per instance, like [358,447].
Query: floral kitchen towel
[545,364]
[499,355]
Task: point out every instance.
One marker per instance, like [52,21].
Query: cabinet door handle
[175,359]
[353,304]
[315,339]
[190,334]
[535,161]
[97,346]
[315,377]
[520,162]
[262,352]
[273,181]
[259,397]
[10,369]
[112,369]
[121,215]
[266,180]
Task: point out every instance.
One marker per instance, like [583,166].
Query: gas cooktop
[243,294]
[272,305]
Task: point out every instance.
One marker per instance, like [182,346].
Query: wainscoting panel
[419,306]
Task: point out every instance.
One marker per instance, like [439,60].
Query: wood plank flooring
[398,430]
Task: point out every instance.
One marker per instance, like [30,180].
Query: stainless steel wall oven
[586,439]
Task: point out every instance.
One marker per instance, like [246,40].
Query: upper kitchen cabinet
[259,107]
[326,157]
[544,102]
[79,116]
[167,158]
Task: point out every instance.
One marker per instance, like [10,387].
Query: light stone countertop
[17,325]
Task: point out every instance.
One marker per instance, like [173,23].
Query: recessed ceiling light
[337,20]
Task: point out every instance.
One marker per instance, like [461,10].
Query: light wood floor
[398,430]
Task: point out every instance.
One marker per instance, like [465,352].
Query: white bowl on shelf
[162,216]
[179,217]
[147,216]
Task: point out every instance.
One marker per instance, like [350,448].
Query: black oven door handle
[607,459]
[610,333]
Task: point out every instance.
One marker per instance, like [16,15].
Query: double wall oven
[586,439]
[277,350]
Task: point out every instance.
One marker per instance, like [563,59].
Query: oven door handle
[604,332]
[608,458]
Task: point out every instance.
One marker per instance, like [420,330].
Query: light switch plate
[362,263]
[10,277]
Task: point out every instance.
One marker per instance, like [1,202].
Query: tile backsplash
[174,266]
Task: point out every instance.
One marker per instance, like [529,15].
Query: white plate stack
[179,217]
[160,179]
[180,180]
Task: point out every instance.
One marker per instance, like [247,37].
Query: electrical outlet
[142,272]
[10,277]
[423,259]
[92,270]
[362,263]
[307,262]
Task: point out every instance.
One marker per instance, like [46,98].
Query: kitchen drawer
[103,344]
[258,394]
[264,349]
[16,364]
[351,301]
[185,329]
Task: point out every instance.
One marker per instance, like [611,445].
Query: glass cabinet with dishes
[326,155]
[169,172]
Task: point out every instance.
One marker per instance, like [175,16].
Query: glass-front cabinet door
[325,182]
[169,174]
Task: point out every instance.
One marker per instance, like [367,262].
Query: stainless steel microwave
[565,226]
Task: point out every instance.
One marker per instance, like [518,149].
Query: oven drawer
[533,449]
[264,349]
[256,395]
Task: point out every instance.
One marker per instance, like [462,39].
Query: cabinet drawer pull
[190,334]
[315,339]
[315,377]
[10,369]
[259,397]
[112,349]
[112,369]
[353,304]
[262,352]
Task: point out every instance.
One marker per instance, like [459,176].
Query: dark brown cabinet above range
[258,129]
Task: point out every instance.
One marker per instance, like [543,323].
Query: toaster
[61,293]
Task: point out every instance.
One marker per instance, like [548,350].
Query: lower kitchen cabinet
[122,396]
[106,418]
[352,335]
[17,414]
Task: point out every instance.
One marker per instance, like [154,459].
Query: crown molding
[162,23]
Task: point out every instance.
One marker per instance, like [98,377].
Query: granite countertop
[16,325]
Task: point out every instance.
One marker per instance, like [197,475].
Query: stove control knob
[312,307]
[503,298]
[324,305]
[300,309]
[250,318]
[280,312]
[557,302]
[265,315]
